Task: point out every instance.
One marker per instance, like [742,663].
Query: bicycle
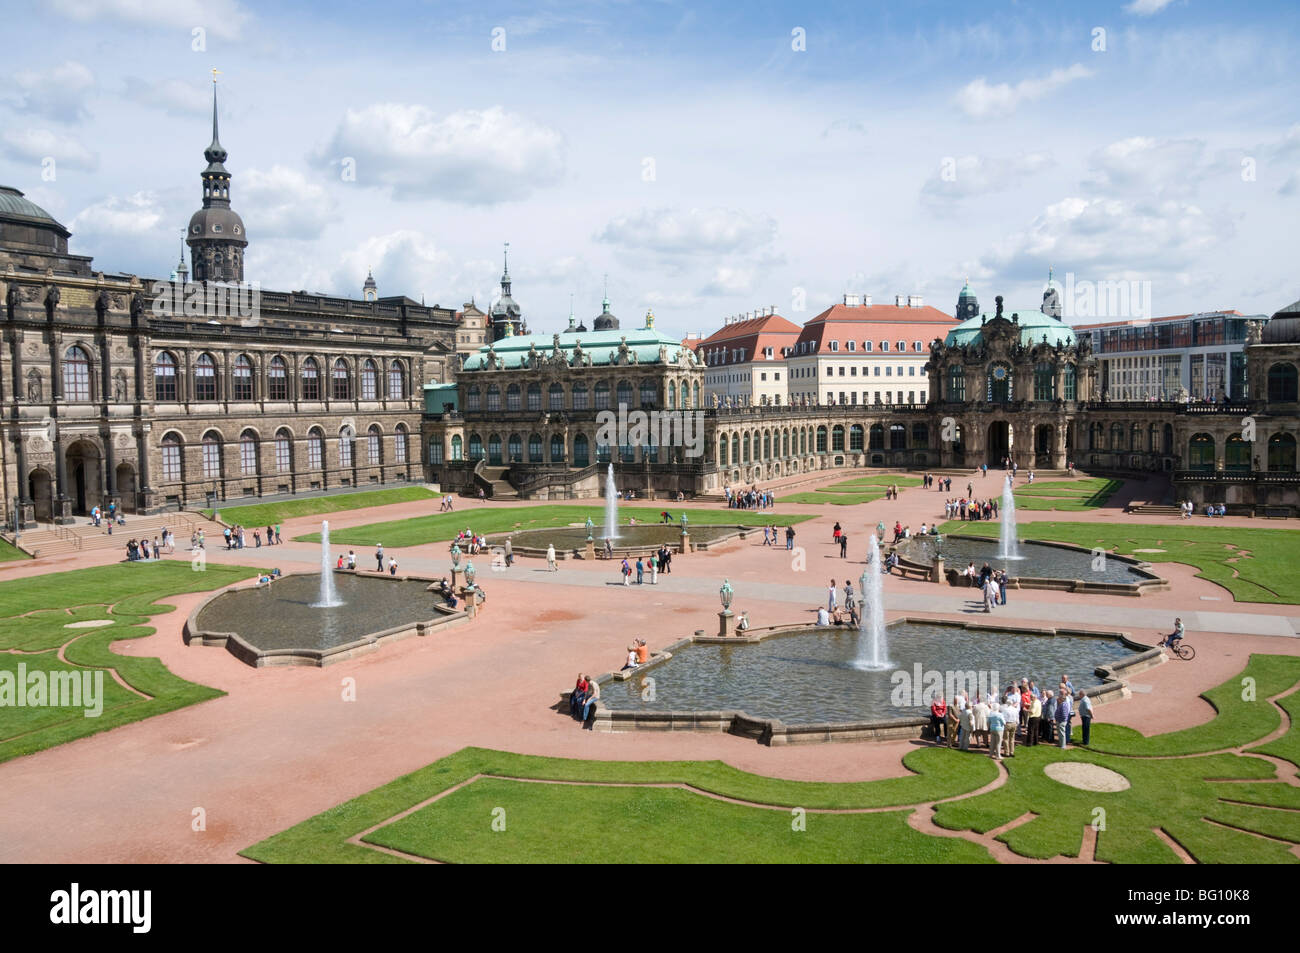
[1181,649]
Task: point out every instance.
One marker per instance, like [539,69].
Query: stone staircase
[48,539]
[1154,509]
[495,477]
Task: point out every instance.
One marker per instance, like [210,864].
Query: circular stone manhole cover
[89,624]
[1086,777]
[1148,550]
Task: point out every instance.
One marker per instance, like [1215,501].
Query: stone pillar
[62,506]
[936,570]
[686,543]
[726,624]
[25,507]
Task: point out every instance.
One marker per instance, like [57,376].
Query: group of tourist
[638,653]
[994,721]
[944,483]
[97,516]
[970,509]
[658,561]
[751,499]
[583,698]
[905,532]
[770,536]
[471,542]
[991,582]
[444,505]
[142,549]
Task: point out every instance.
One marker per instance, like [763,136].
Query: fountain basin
[280,626]
[796,684]
[1043,565]
[571,541]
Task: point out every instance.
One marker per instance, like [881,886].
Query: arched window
[897,437]
[1236,454]
[315,448]
[1117,436]
[821,439]
[374,445]
[346,437]
[535,448]
[164,376]
[369,380]
[956,383]
[396,381]
[999,384]
[310,379]
[473,399]
[76,374]
[242,378]
[1282,383]
[493,398]
[1070,384]
[735,449]
[456,448]
[767,446]
[1153,438]
[534,396]
[515,448]
[672,395]
[1135,438]
[649,392]
[920,436]
[1043,383]
[837,438]
[342,381]
[581,451]
[211,455]
[555,397]
[695,397]
[876,440]
[1200,452]
[400,438]
[604,451]
[1281,453]
[248,453]
[856,435]
[277,379]
[625,393]
[171,458]
[513,398]
[579,395]
[557,449]
[283,451]
[475,447]
[205,378]
[602,396]
[722,450]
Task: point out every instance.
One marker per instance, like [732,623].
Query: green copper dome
[1034,326]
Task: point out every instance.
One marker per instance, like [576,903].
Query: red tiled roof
[876,322]
[752,335]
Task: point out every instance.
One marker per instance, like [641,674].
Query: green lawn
[263,514]
[34,614]
[1075,495]
[482,806]
[862,489]
[9,552]
[495,519]
[1255,565]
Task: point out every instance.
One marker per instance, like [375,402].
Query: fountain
[611,505]
[1008,548]
[329,596]
[872,650]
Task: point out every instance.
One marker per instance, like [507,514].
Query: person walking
[789,538]
[278,540]
[510,553]
[627,572]
[392,565]
[379,557]
[1063,713]
[550,558]
[1085,716]
[844,546]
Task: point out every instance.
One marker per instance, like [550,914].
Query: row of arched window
[1156,438]
[368,447]
[579,397]
[1202,453]
[767,445]
[312,384]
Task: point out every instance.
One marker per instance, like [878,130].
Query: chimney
[866,301]
[772,310]
[851,301]
[898,300]
[914,301]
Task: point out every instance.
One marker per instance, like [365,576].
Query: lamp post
[726,621]
[686,535]
[455,566]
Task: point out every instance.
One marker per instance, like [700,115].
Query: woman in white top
[980,713]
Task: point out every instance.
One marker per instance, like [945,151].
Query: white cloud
[282,202]
[1144,165]
[674,232]
[173,96]
[729,280]
[1146,8]
[981,100]
[472,157]
[965,176]
[59,93]
[220,18]
[39,145]
[133,215]
[405,262]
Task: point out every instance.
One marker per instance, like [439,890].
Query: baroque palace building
[155,394]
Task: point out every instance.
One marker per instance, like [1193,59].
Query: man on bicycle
[1172,638]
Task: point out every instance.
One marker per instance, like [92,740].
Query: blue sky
[691,152]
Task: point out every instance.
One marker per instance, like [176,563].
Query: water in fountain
[611,505]
[873,653]
[329,596]
[1008,547]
